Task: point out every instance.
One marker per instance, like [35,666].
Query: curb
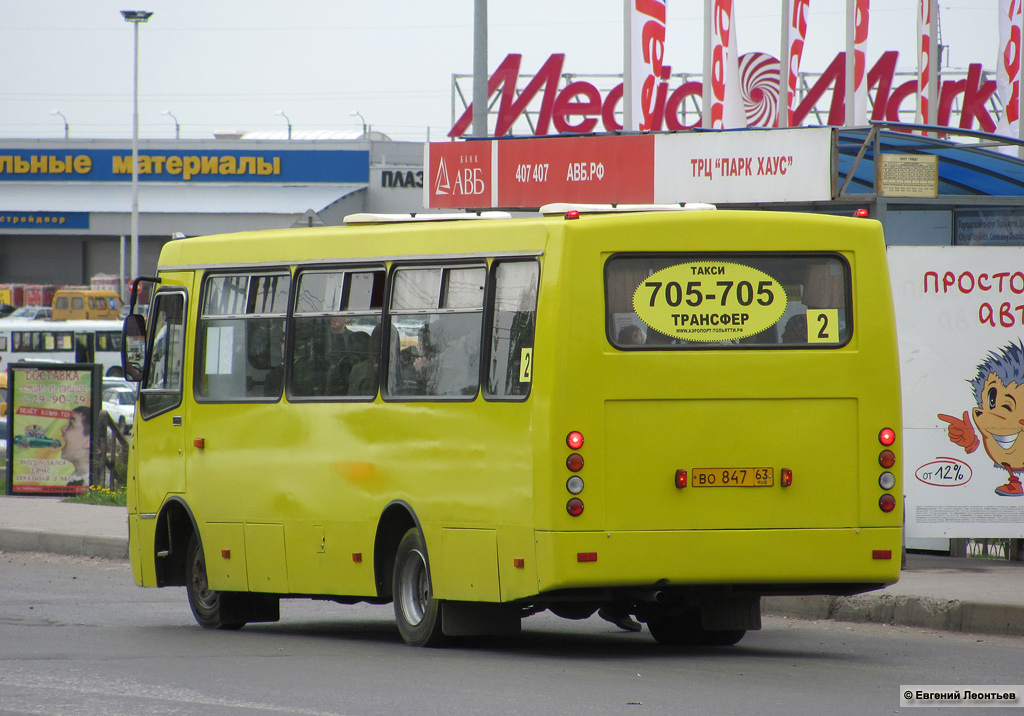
[14,540]
[924,612]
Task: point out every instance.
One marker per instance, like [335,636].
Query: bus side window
[241,335]
[337,312]
[436,318]
[161,388]
[510,368]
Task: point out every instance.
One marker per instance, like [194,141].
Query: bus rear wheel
[417,612]
[206,603]
[685,630]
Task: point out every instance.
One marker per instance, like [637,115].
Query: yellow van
[84,303]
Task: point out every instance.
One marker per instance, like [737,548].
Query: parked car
[32,313]
[119,403]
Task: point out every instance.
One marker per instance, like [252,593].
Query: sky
[231,64]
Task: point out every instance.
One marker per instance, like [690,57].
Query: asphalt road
[78,637]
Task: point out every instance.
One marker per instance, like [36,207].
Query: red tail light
[574,507]
[787,477]
[680,479]
[574,462]
[886,459]
[887,436]
[574,440]
[887,503]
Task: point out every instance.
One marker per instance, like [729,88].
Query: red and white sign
[723,167]
[581,107]
[795,32]
[857,111]
[596,170]
[927,64]
[960,320]
[645,55]
[741,167]
[1008,66]
[459,176]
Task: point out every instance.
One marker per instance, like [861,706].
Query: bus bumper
[776,561]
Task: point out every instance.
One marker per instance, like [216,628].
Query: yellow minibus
[85,304]
[658,415]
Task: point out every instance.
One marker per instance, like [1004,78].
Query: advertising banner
[458,175]
[595,170]
[52,414]
[526,173]
[198,165]
[746,166]
[960,319]
[644,56]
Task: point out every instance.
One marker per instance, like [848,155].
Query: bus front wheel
[206,603]
[417,612]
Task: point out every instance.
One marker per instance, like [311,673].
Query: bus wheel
[417,612]
[205,602]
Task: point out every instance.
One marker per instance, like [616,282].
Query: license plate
[732,477]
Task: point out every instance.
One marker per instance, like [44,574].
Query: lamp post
[135,17]
[58,114]
[280,113]
[356,114]
[177,127]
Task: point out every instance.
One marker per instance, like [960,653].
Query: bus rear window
[694,301]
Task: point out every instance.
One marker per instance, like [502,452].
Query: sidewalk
[46,524]
[934,592]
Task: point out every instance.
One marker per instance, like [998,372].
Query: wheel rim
[200,587]
[414,590]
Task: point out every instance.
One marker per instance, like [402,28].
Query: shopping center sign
[743,166]
[580,107]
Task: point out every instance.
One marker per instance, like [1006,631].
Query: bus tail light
[887,436]
[574,440]
[886,459]
[574,462]
[574,485]
[786,478]
[887,502]
[574,507]
[680,479]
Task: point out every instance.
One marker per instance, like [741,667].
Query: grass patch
[101,496]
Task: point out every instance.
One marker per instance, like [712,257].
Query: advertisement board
[53,411]
[960,320]
[716,167]
[744,167]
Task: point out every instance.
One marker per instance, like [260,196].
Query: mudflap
[249,608]
[480,619]
[731,613]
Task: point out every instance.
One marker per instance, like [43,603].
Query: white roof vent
[562,208]
[366,218]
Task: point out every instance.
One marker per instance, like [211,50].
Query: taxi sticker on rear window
[709,301]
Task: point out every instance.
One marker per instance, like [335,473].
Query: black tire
[685,630]
[205,602]
[417,612]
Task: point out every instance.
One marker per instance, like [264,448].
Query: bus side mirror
[133,347]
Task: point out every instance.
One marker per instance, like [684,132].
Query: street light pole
[356,114]
[58,114]
[177,127]
[135,17]
[280,113]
